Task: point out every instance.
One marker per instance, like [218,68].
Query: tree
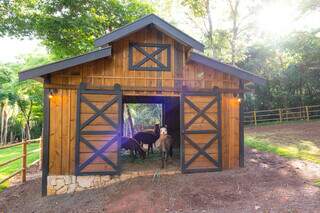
[292,68]
[310,5]
[20,102]
[201,14]
[67,28]
[227,43]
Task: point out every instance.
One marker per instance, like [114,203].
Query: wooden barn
[148,61]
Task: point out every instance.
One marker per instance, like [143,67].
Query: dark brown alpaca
[148,137]
[164,143]
[134,147]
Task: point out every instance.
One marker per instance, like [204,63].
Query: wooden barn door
[200,132]
[98,131]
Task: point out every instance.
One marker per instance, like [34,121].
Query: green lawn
[13,152]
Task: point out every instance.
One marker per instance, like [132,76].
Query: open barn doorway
[141,114]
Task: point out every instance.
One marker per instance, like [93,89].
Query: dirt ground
[268,183]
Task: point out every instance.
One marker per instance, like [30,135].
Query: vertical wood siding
[106,72]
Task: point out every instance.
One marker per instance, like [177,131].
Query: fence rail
[280,115]
[23,156]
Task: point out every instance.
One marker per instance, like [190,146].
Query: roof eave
[240,73]
[145,21]
[37,72]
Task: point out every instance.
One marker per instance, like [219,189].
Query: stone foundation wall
[61,184]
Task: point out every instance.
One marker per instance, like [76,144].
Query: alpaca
[134,147]
[148,137]
[164,143]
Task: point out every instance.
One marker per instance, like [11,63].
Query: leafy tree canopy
[67,28]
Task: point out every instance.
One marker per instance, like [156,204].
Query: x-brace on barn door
[200,131]
[99,116]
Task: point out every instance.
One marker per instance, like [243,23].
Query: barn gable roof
[158,23]
[226,68]
[63,64]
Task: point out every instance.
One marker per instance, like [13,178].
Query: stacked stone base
[62,184]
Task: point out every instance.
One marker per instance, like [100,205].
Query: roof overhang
[158,23]
[226,68]
[37,72]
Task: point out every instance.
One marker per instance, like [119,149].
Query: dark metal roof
[63,64]
[232,70]
[156,21]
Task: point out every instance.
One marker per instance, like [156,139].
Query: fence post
[255,117]
[307,112]
[41,156]
[280,115]
[24,161]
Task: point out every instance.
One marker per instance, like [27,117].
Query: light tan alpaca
[164,144]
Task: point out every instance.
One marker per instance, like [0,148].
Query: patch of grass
[287,151]
[11,153]
[317,183]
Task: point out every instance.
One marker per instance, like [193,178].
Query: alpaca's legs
[162,159]
[151,147]
[132,155]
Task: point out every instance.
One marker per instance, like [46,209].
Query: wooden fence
[23,156]
[280,115]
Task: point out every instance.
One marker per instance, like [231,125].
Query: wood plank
[98,97]
[72,131]
[65,123]
[97,167]
[113,156]
[97,144]
[99,120]
[99,128]
[85,109]
[98,137]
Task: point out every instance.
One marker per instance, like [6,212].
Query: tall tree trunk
[130,120]
[210,30]
[2,123]
[235,29]
[5,132]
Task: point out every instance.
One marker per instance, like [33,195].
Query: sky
[278,18]
[12,48]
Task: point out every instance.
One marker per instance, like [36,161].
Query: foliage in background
[227,43]
[20,102]
[292,68]
[67,28]
[146,115]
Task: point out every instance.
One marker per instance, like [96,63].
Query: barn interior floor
[152,163]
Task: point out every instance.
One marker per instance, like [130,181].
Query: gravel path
[268,183]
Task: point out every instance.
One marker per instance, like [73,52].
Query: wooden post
[24,161]
[41,155]
[255,117]
[307,112]
[280,115]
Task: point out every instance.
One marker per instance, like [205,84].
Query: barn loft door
[98,131]
[200,132]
